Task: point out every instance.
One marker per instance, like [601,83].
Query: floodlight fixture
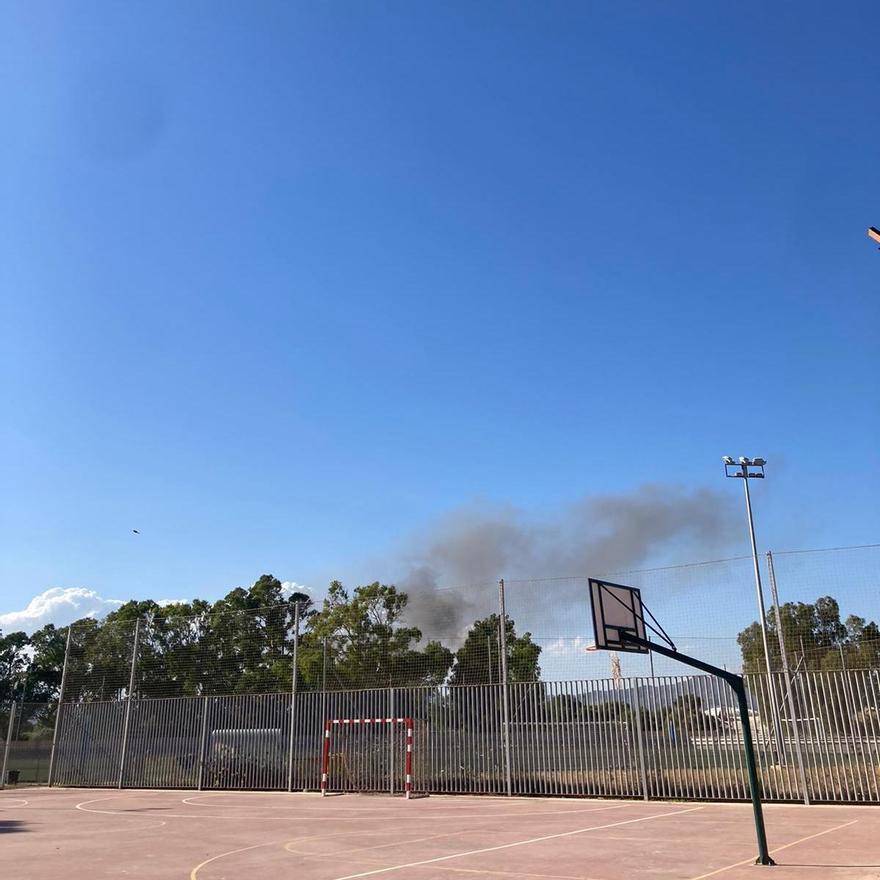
[744,468]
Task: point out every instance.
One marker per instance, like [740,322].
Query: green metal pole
[739,688]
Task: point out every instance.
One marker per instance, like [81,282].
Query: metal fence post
[324,680]
[643,776]
[293,677]
[203,744]
[8,743]
[505,694]
[392,728]
[60,705]
[795,727]
[131,684]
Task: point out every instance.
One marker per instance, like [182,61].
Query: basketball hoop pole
[739,688]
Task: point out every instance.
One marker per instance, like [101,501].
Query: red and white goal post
[352,724]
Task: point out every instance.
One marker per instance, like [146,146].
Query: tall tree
[367,646]
[815,638]
[14,661]
[47,663]
[478,660]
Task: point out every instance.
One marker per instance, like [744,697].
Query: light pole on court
[747,469]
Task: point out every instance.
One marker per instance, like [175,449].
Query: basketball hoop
[620,624]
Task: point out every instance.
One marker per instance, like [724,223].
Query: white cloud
[291,587]
[568,647]
[58,605]
[63,605]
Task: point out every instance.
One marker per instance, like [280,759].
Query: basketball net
[616,674]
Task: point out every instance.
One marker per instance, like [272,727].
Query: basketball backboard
[617,609]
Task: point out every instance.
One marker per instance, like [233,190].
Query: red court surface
[88,834]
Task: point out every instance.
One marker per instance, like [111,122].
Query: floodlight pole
[737,683]
[745,475]
[759,589]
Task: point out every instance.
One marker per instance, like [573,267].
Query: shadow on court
[10,826]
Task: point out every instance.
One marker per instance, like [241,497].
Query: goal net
[367,754]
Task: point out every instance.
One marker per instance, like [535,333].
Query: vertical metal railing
[662,737]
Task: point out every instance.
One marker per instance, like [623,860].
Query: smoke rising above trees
[450,568]
[449,584]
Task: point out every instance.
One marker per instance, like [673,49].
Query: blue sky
[284,283]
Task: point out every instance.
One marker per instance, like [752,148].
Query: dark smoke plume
[452,569]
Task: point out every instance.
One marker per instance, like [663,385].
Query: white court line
[193,875]
[21,802]
[775,850]
[130,830]
[373,813]
[323,815]
[345,852]
[504,873]
[81,807]
[373,831]
[463,800]
[192,798]
[474,852]
[195,871]
[328,837]
[83,804]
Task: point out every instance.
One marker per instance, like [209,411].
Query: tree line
[816,639]
[243,643]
